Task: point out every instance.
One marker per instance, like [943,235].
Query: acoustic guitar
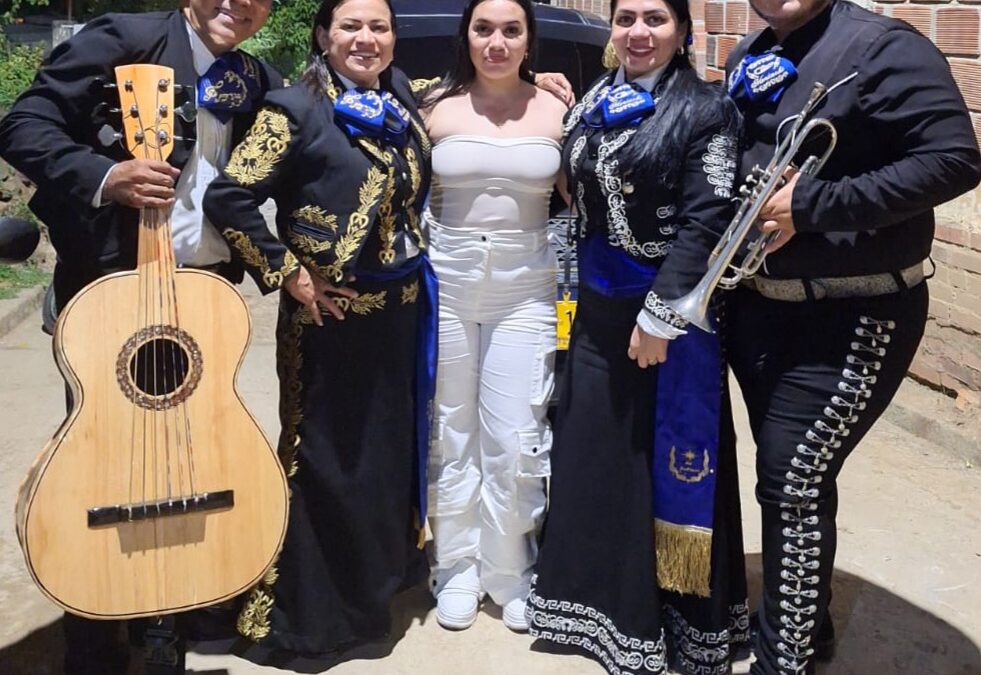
[159,493]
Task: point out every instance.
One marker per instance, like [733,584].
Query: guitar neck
[155,255]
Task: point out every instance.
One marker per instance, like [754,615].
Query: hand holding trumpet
[777,214]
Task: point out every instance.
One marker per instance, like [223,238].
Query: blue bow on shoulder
[231,85]
[761,78]
[372,113]
[620,105]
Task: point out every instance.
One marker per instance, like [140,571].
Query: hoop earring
[610,60]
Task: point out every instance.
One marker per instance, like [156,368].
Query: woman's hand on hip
[647,350]
[316,293]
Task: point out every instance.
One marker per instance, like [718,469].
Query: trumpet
[759,187]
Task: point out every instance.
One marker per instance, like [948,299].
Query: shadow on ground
[879,632]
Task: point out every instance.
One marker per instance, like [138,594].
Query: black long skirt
[347,445]
[596,581]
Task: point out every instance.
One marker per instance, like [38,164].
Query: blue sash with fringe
[426,357]
[686,426]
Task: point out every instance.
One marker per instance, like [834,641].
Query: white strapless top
[486,183]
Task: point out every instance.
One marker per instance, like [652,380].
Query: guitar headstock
[146,97]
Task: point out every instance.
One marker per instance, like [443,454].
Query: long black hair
[462,73]
[315,75]
[685,105]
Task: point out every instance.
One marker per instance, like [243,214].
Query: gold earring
[610,60]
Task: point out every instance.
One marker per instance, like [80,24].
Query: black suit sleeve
[257,166]
[704,211]
[45,135]
[907,92]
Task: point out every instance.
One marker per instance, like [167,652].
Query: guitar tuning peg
[101,83]
[108,135]
[187,112]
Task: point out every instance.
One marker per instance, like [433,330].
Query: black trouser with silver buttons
[815,376]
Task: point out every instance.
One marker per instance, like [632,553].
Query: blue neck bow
[372,113]
[231,85]
[761,78]
[620,105]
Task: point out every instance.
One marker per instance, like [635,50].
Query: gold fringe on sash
[684,558]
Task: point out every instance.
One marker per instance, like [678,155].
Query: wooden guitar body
[159,493]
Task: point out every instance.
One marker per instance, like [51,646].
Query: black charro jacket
[342,203]
[905,142]
[51,136]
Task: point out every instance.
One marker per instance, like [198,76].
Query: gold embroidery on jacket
[386,219]
[253,257]
[414,173]
[253,619]
[422,84]
[410,293]
[316,216]
[357,224]
[364,304]
[309,244]
[254,158]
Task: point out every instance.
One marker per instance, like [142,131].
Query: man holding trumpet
[821,337]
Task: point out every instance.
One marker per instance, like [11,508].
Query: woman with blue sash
[345,156]
[641,563]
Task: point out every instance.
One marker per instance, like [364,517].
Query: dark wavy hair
[463,73]
[686,105]
[315,74]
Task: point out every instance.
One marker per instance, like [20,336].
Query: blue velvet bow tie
[761,78]
[620,105]
[231,85]
[372,113]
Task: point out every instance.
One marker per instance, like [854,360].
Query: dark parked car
[569,41]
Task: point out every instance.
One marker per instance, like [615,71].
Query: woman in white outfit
[496,158]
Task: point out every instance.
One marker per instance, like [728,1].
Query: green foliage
[12,8]
[15,277]
[87,9]
[18,64]
[285,39]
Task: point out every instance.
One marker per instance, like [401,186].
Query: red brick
[968,77]
[957,30]
[940,311]
[879,9]
[737,16]
[715,17]
[924,371]
[725,45]
[952,235]
[966,320]
[714,74]
[696,8]
[919,17]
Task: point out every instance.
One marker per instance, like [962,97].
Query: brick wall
[950,356]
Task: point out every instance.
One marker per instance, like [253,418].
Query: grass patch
[13,278]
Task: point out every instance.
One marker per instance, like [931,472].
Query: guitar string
[161,343]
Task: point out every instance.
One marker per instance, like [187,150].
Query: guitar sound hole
[159,367]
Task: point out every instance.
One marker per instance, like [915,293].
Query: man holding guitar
[60,134]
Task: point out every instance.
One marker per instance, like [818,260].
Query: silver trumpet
[759,186]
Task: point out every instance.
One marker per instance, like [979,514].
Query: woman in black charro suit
[641,563]
[345,157]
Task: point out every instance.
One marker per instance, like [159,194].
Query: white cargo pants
[490,455]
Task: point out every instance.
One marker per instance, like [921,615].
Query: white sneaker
[514,615]
[456,608]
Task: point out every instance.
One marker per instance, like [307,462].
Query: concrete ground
[907,586]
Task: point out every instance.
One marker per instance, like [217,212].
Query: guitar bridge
[100,516]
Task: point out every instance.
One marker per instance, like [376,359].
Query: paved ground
[907,588]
